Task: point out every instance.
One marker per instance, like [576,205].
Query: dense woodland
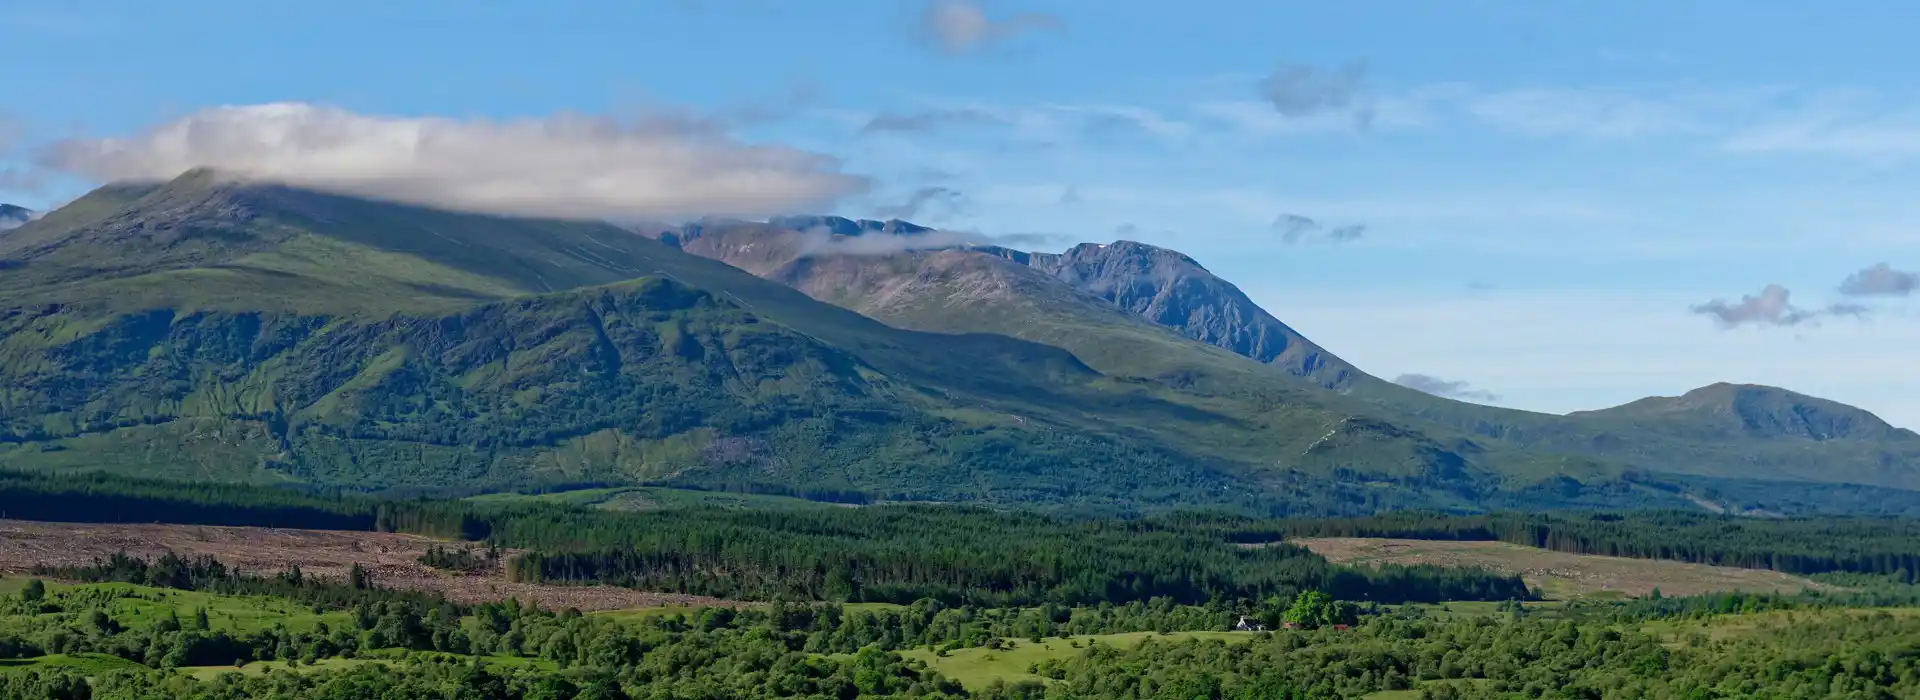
[956,555]
[966,555]
[895,554]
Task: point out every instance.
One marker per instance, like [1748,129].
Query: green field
[1480,608]
[977,667]
[1676,631]
[139,607]
[81,663]
[1558,575]
[382,656]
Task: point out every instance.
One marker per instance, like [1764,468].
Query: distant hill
[1746,411]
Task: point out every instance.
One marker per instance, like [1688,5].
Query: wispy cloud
[927,120]
[1833,133]
[1880,280]
[962,26]
[1452,389]
[1048,123]
[565,165]
[1773,306]
[1589,113]
[1307,101]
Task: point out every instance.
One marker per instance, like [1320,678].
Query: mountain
[209,328]
[1170,289]
[1104,302]
[214,329]
[1746,411]
[12,216]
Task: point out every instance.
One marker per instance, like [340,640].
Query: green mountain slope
[1134,310]
[1260,415]
[213,329]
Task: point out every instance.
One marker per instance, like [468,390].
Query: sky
[1551,205]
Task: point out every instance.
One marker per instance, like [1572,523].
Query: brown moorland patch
[392,560]
[1559,575]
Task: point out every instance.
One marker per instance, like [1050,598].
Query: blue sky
[1552,193]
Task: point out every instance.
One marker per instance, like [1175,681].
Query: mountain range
[211,328]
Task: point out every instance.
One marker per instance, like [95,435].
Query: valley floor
[1560,575]
[392,560]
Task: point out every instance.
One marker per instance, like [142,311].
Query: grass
[871,607]
[1674,631]
[385,655]
[89,664]
[1560,575]
[207,673]
[638,614]
[977,667]
[1477,608]
[139,607]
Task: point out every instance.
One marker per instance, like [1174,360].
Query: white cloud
[564,165]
